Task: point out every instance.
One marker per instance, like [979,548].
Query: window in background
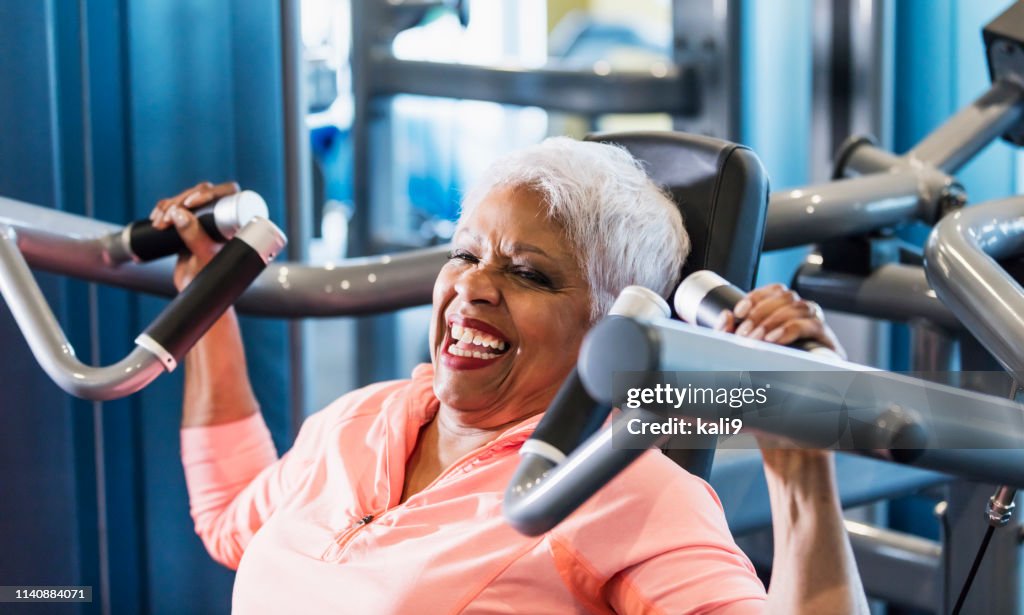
[426,151]
[326,38]
[439,147]
[609,35]
[326,41]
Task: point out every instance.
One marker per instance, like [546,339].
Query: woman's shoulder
[655,479]
[367,402]
[652,496]
[652,509]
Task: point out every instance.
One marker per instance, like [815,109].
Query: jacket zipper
[340,545]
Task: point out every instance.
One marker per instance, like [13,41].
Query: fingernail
[773,335]
[723,317]
[190,198]
[178,216]
[744,328]
[757,334]
[741,308]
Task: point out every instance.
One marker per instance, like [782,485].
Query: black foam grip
[148,243]
[724,297]
[572,417]
[202,302]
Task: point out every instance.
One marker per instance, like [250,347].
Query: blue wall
[776,104]
[107,106]
[40,430]
[940,69]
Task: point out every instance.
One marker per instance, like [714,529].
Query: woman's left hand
[778,315]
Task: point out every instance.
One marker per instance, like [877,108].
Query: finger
[793,311]
[726,322]
[763,310]
[201,195]
[196,240]
[209,193]
[816,310]
[160,210]
[161,218]
[800,329]
[806,329]
[196,196]
[157,210]
[224,189]
[756,296]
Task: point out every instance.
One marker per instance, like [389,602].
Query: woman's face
[510,310]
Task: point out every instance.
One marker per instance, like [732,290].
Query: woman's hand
[177,211]
[778,315]
[813,570]
[217,387]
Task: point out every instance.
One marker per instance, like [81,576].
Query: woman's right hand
[217,387]
[177,211]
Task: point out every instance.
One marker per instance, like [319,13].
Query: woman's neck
[443,441]
[457,433]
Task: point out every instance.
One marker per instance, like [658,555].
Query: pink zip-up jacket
[322,529]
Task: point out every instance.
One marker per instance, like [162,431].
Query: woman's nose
[477,285]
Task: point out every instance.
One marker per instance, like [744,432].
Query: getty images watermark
[843,410]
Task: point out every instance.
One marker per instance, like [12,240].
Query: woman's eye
[532,275]
[462,255]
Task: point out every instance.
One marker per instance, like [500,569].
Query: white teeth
[459,352]
[477,338]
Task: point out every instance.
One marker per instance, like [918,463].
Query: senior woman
[390,499]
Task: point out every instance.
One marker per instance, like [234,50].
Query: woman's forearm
[217,388]
[813,570]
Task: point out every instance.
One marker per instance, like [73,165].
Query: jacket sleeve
[235,480]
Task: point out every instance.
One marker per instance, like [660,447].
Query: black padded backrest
[721,189]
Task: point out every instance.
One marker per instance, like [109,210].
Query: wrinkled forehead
[515,210]
[504,193]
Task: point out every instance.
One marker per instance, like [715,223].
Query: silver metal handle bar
[926,415]
[74,245]
[164,343]
[960,262]
[891,189]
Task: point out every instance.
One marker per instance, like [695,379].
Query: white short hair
[624,227]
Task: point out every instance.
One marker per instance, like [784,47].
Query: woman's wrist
[802,490]
[793,468]
[217,388]
[813,569]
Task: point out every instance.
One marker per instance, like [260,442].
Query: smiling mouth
[472,343]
